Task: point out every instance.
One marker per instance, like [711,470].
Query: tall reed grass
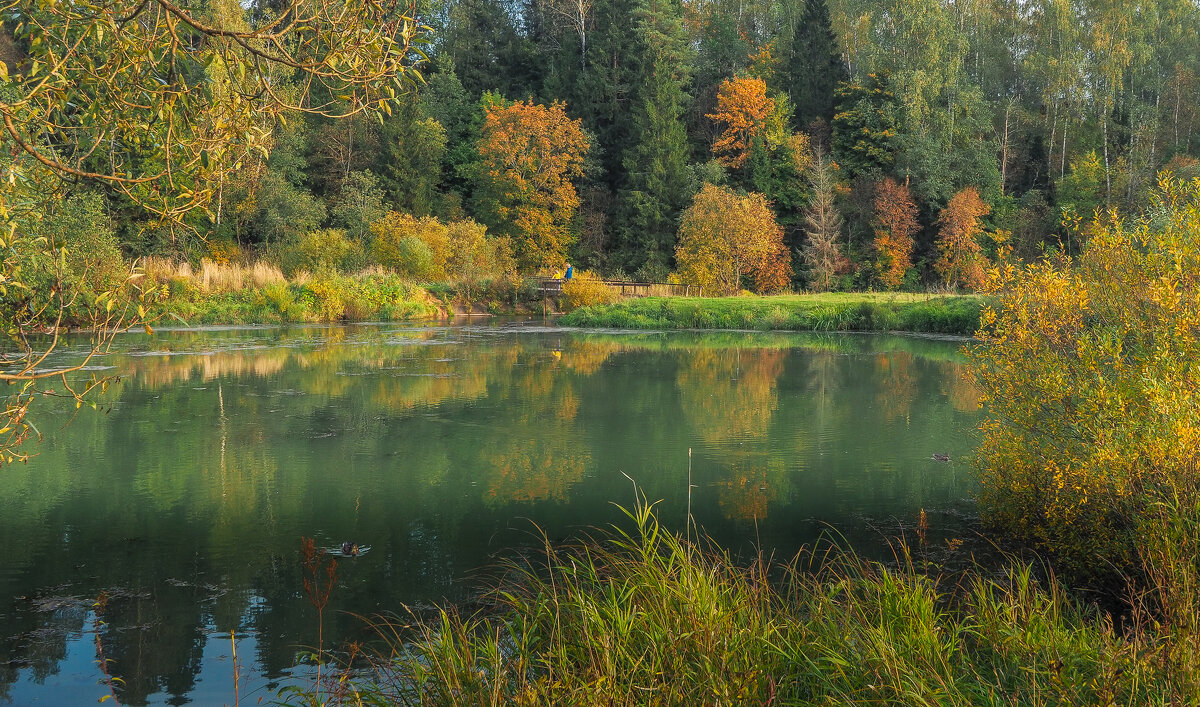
[258,293]
[645,617]
[212,277]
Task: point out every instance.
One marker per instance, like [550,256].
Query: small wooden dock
[552,287]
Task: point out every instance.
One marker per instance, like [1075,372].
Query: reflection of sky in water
[438,447]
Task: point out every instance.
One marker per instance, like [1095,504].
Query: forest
[827,144]
[347,160]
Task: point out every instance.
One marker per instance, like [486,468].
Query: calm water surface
[439,448]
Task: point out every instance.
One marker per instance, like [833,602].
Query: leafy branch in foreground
[39,300]
[159,102]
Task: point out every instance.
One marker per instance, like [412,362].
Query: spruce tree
[809,63]
[594,77]
[658,177]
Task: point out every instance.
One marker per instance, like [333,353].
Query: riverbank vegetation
[1093,436]
[892,146]
[541,130]
[643,616]
[933,314]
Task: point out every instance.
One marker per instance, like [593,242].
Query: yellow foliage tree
[895,225]
[460,251]
[529,153]
[725,236]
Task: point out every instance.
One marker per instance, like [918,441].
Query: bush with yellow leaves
[1091,369]
[584,289]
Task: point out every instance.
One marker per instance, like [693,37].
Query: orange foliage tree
[895,225]
[725,236]
[961,260]
[743,107]
[528,155]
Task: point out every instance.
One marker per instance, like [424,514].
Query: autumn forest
[827,144]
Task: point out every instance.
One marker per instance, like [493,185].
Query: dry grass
[160,269]
[212,277]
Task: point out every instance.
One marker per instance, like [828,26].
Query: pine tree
[480,38]
[414,145]
[864,127]
[594,77]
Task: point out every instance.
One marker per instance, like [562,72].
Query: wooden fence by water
[552,287]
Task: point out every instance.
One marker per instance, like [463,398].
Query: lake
[184,499]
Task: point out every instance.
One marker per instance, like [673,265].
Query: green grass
[322,298]
[646,617]
[853,311]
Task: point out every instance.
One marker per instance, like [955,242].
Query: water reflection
[436,446]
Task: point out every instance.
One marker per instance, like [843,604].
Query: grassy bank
[647,618]
[260,294]
[851,311]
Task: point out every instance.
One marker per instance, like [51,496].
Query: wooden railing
[552,287]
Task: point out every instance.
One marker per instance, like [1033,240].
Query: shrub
[283,211]
[359,204]
[1092,372]
[586,289]
[93,255]
[223,251]
[414,258]
[428,249]
[280,296]
[324,249]
[394,245]
[326,294]
[472,257]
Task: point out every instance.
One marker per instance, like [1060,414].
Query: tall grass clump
[646,617]
[641,617]
[259,293]
[229,277]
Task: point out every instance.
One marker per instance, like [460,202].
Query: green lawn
[841,311]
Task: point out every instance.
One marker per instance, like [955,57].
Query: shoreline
[956,315]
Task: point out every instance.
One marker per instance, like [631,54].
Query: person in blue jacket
[570,272]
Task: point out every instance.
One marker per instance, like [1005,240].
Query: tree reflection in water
[433,445]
